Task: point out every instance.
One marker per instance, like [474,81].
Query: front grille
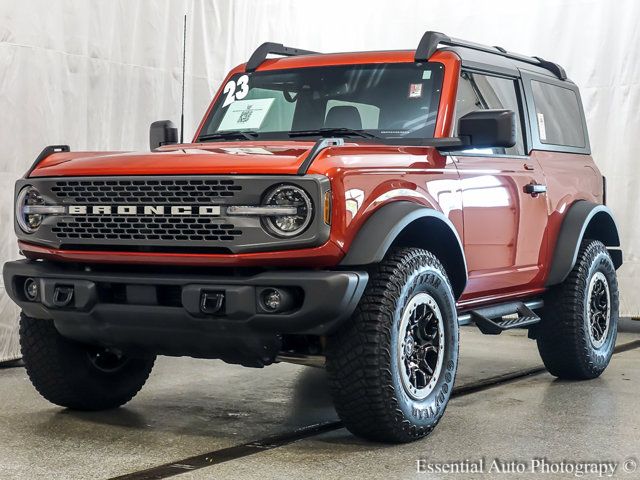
[145,191]
[200,224]
[150,228]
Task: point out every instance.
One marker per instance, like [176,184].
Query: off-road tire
[363,369]
[563,336]
[62,372]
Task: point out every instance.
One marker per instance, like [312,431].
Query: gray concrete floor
[190,407]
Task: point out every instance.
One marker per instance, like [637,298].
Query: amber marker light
[327,207]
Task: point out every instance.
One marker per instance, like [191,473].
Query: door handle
[535,189]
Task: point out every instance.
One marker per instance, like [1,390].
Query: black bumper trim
[177,327]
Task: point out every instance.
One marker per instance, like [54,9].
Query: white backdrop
[95,73]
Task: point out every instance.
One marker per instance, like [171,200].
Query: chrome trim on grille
[264,211]
[43,210]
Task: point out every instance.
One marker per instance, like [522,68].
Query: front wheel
[393,364]
[75,375]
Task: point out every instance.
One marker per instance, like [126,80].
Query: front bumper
[161,312]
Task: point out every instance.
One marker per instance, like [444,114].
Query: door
[504,206]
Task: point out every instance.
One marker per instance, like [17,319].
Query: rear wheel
[393,364]
[579,325]
[78,376]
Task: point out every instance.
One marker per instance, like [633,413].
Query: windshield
[389,101]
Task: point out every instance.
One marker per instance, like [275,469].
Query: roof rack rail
[260,54]
[430,41]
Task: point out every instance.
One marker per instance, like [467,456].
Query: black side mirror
[162,132]
[488,128]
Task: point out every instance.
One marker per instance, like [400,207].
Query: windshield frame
[362,135]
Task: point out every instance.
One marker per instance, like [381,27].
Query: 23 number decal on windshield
[236,90]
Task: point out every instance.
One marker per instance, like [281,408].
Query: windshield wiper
[230,135]
[328,132]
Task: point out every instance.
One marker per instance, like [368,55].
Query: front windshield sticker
[236,91]
[415,90]
[246,114]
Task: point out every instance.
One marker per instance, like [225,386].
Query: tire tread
[358,359]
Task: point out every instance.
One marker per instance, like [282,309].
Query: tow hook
[211,302]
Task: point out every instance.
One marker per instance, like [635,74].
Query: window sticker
[541,128]
[246,114]
[235,90]
[426,75]
[415,90]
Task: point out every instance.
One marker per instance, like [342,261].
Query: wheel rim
[106,359]
[420,351]
[598,309]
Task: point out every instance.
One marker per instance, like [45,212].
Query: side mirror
[162,132]
[488,128]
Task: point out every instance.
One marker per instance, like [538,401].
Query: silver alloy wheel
[420,349]
[598,309]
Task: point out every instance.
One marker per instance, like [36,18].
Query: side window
[558,115]
[483,92]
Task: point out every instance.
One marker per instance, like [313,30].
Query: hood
[193,159]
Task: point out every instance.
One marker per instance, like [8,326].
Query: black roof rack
[430,41]
[260,55]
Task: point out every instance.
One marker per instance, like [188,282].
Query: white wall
[95,73]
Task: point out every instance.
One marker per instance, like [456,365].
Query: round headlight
[28,222]
[288,225]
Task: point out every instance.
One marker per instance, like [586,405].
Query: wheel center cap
[408,346]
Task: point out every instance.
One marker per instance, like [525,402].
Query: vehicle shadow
[216,411]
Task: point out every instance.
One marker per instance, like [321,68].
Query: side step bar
[495,319]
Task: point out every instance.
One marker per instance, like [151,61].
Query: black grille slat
[138,192]
[152,228]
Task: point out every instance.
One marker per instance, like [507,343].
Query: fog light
[271,299]
[31,289]
[278,300]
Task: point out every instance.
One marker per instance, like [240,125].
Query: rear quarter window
[558,115]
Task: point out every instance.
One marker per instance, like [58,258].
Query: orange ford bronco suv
[344,210]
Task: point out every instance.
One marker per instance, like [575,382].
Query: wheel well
[602,227]
[436,236]
[583,220]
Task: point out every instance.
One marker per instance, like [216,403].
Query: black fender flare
[584,219]
[411,224]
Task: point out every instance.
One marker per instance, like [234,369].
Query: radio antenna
[184,56]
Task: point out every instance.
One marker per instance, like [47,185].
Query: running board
[495,319]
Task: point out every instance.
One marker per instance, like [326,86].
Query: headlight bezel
[269,222]
[21,202]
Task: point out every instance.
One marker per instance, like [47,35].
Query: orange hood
[192,159]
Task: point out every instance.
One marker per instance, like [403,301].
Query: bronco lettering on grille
[209,210]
